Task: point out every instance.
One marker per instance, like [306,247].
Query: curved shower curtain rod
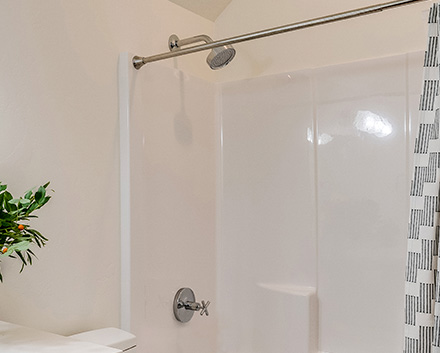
[139,61]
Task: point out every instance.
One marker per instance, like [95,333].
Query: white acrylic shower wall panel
[172,132]
[268,215]
[352,246]
[310,197]
[362,183]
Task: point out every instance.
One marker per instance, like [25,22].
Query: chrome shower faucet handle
[185,305]
[205,308]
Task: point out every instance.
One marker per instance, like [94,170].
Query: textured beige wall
[59,122]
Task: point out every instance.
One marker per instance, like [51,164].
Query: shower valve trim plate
[185,305]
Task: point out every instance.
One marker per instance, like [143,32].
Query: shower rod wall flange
[172,42]
[139,61]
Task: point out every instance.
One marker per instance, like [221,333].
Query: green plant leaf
[7,196]
[32,208]
[8,206]
[40,194]
[22,245]
[24,202]
[13,211]
[45,200]
[17,247]
[31,252]
[23,260]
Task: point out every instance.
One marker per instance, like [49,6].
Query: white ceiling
[209,9]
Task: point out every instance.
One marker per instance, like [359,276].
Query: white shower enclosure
[281,199]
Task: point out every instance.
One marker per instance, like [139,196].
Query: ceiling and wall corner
[209,9]
[391,32]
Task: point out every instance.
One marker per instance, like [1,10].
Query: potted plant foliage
[16,235]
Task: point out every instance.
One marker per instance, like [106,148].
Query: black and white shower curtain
[422,287]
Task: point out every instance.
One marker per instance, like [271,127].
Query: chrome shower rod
[139,61]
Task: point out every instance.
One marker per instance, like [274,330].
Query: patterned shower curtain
[422,287]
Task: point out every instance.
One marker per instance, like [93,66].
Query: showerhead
[220,57]
[217,59]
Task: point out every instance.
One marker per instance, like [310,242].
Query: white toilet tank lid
[110,337]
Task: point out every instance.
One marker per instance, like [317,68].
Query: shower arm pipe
[139,61]
[176,43]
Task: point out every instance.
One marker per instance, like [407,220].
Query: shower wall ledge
[289,289]
[290,318]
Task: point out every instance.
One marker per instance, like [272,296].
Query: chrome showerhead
[217,58]
[220,57]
